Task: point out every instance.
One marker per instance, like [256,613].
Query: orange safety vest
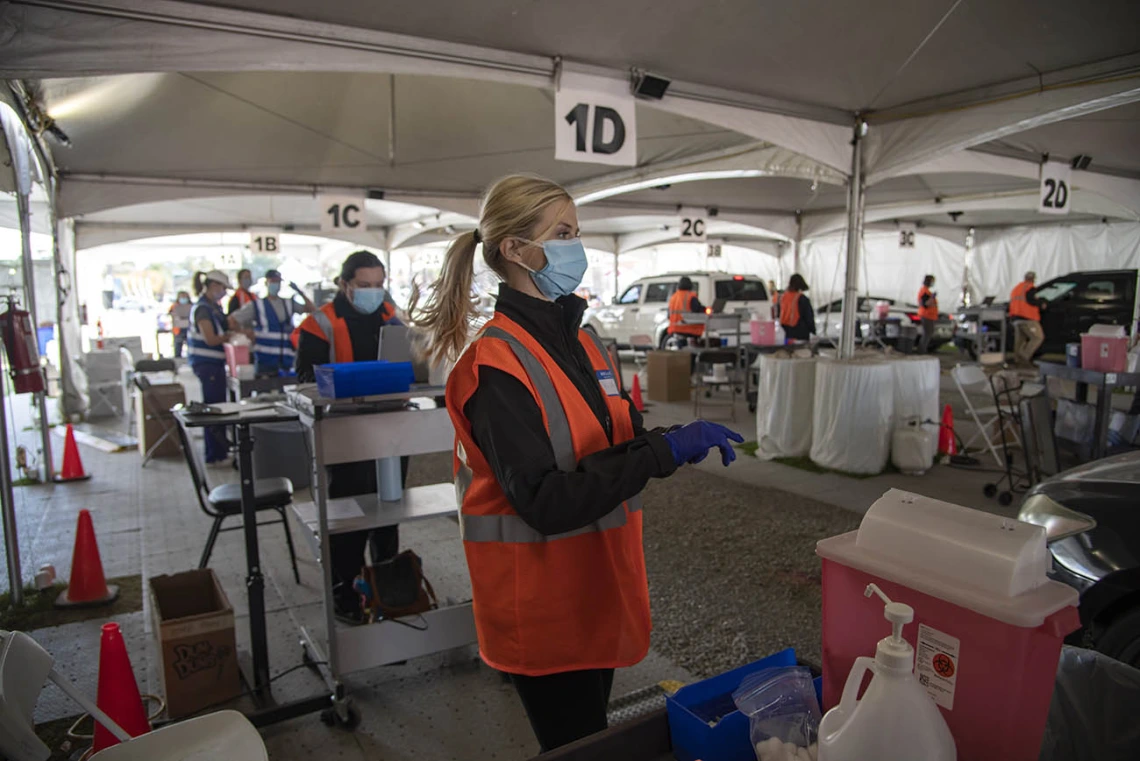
[790,308]
[547,604]
[244,297]
[680,304]
[930,312]
[1019,305]
[324,323]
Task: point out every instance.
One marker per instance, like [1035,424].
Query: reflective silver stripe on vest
[511,528]
[560,438]
[330,335]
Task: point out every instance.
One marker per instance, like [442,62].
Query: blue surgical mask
[368,300]
[273,288]
[246,283]
[183,299]
[565,266]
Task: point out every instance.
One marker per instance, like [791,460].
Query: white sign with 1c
[595,128]
[1056,189]
[264,242]
[342,213]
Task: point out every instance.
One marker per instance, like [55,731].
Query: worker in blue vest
[271,319]
[205,348]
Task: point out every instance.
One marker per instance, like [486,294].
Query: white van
[643,308]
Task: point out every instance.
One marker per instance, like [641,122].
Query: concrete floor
[732,575]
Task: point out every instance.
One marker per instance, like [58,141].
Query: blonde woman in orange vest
[550,460]
[347,329]
[1025,310]
[927,312]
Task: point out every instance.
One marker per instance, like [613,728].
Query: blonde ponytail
[445,318]
[513,207]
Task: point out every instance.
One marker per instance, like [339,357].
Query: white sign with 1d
[1056,189]
[342,213]
[595,128]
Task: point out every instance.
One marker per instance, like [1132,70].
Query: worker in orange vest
[927,312]
[347,329]
[242,295]
[795,312]
[684,301]
[1025,310]
[550,459]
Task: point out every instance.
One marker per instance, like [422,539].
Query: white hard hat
[218,277]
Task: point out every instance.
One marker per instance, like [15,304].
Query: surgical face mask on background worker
[246,282]
[273,287]
[366,289]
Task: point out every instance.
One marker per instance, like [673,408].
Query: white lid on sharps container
[986,563]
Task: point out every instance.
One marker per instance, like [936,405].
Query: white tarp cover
[916,388]
[854,407]
[1001,257]
[888,271]
[785,397]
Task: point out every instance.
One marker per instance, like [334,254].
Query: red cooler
[989,624]
[1105,349]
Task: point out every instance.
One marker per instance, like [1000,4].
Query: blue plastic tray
[692,707]
[351,379]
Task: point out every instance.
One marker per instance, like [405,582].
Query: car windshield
[1054,291]
[741,290]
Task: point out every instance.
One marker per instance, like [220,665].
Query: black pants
[927,336]
[347,550]
[565,707]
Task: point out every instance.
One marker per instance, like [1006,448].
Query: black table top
[238,413]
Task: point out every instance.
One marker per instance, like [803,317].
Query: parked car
[829,320]
[1091,518]
[643,308]
[1073,303]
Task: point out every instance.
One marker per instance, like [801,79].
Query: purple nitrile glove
[691,443]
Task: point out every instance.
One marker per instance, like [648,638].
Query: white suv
[643,309]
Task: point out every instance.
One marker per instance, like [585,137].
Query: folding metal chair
[151,412]
[972,379]
[224,502]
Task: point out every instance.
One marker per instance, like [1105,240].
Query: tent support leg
[855,197]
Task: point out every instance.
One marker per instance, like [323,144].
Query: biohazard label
[936,665]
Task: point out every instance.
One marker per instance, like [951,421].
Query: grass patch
[806,464]
[39,611]
[749,447]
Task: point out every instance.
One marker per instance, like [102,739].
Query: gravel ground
[733,574]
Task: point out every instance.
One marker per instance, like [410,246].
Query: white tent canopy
[165,101]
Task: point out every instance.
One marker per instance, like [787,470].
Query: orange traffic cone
[88,586]
[946,443]
[635,394]
[118,692]
[72,466]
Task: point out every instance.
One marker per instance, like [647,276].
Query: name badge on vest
[607,382]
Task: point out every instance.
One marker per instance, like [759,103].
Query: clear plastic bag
[783,712]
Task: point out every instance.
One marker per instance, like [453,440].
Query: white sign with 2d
[595,128]
[906,234]
[694,225]
[1056,189]
[342,213]
[265,241]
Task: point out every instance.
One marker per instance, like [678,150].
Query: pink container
[1107,354]
[988,626]
[763,332]
[235,356]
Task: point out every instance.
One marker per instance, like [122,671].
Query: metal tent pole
[617,259]
[8,505]
[30,305]
[855,197]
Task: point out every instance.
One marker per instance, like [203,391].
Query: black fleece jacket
[507,426]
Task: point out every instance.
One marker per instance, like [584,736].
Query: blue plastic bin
[350,379]
[43,335]
[692,707]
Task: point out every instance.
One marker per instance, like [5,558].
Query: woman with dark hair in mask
[242,295]
[347,329]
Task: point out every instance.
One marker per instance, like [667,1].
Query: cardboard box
[195,626]
[670,376]
[153,418]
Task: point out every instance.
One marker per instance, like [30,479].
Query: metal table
[240,417]
[243,389]
[1104,383]
[370,428]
